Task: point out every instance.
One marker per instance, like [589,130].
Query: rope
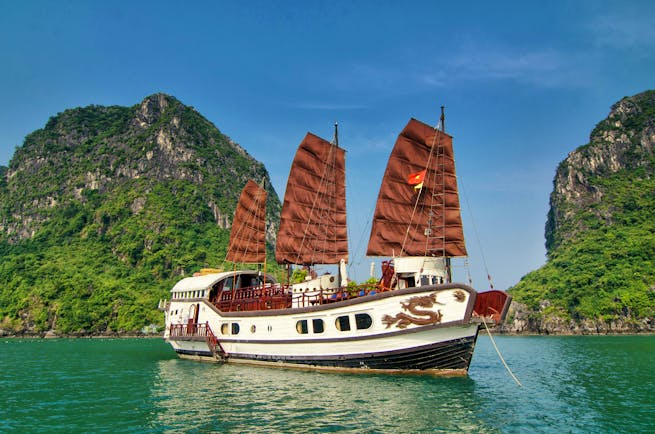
[321,215]
[250,222]
[475,231]
[500,355]
[418,196]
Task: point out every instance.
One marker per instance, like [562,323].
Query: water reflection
[76,385]
[233,398]
[571,384]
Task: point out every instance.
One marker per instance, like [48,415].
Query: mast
[265,264]
[340,275]
[449,273]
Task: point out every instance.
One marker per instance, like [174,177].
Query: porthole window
[301,327]
[363,321]
[235,328]
[318,325]
[224,328]
[342,323]
[253,328]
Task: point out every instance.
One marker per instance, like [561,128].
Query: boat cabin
[315,291]
[413,271]
[233,290]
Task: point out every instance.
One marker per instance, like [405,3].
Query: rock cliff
[103,209]
[600,234]
[98,148]
[622,142]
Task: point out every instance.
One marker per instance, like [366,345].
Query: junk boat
[414,319]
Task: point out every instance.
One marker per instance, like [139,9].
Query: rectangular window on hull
[301,327]
[318,325]
[363,321]
[342,323]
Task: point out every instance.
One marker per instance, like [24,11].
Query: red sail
[248,235]
[414,221]
[313,219]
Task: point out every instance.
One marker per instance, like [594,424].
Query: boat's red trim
[492,305]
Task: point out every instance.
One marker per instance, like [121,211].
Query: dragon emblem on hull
[412,305]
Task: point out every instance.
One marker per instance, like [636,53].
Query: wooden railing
[255,298]
[202,331]
[189,330]
[279,297]
[340,294]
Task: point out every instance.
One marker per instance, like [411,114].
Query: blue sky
[523,84]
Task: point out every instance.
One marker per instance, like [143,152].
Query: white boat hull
[426,329]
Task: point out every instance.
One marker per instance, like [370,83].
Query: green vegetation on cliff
[105,208]
[601,230]
[608,271]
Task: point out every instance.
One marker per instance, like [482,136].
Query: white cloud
[541,68]
[625,29]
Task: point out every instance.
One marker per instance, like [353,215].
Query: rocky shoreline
[521,321]
[552,326]
[54,335]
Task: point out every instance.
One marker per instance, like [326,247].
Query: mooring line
[500,355]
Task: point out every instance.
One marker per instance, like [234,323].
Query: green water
[570,384]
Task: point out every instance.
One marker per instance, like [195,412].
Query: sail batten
[422,219]
[313,219]
[248,234]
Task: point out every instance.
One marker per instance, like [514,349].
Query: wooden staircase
[199,332]
[215,345]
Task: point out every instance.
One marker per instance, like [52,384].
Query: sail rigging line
[313,226]
[477,236]
[312,212]
[250,222]
[362,236]
[440,157]
[263,282]
[418,197]
[324,184]
[396,202]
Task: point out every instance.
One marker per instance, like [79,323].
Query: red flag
[416,178]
